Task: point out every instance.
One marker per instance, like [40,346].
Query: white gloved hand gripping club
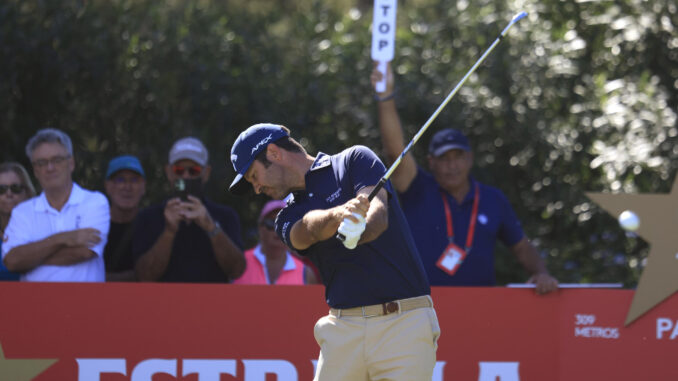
[351,231]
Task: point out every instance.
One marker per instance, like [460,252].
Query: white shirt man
[60,234]
[35,220]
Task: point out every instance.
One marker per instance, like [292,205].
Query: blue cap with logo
[128,162]
[247,146]
[447,139]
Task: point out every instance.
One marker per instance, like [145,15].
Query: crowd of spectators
[67,233]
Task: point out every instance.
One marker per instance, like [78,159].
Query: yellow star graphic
[22,369]
[658,215]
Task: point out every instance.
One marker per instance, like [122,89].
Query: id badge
[451,258]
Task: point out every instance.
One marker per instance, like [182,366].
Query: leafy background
[582,96]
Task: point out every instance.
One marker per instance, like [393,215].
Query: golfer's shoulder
[357,153]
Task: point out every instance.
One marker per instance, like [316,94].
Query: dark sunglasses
[268,223]
[194,170]
[14,188]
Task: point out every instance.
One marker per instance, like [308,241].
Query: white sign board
[383,36]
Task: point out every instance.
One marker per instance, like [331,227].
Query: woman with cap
[270,262]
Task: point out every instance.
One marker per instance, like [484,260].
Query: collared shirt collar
[322,160]
[470,195]
[76,196]
[261,257]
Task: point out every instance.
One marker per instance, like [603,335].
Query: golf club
[430,120]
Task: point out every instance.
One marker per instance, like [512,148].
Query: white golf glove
[352,231]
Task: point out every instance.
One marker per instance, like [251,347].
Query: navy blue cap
[447,139]
[247,146]
[128,162]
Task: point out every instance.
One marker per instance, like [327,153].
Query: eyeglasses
[56,160]
[14,188]
[194,170]
[268,223]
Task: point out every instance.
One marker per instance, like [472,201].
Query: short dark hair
[286,143]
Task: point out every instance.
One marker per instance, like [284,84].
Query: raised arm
[392,137]
[152,264]
[230,258]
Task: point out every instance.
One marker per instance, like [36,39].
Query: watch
[215,231]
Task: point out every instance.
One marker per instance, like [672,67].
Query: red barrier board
[161,332]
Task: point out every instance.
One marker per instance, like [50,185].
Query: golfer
[381,324]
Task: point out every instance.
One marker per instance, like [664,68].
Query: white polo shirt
[34,220]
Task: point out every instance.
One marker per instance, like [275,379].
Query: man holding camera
[188,238]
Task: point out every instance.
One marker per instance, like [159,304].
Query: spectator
[188,238]
[270,262]
[455,220]
[59,235]
[125,186]
[15,187]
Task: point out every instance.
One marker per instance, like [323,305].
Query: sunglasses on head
[193,170]
[14,188]
[268,223]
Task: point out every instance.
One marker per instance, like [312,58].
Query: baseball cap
[247,146]
[188,148]
[447,139]
[128,162]
[271,206]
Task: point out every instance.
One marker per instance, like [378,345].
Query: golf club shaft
[430,120]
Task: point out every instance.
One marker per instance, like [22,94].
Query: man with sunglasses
[59,235]
[270,262]
[188,238]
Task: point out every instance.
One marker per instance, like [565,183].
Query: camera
[184,187]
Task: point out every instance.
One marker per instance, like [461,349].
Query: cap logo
[234,157]
[262,142]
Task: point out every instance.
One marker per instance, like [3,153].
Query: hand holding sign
[383,36]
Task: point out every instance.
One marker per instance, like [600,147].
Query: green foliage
[581,96]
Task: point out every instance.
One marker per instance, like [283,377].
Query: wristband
[386,98]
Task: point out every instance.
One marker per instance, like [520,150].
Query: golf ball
[629,220]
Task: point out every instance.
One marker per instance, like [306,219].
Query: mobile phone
[184,187]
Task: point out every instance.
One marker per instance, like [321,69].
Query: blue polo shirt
[423,206]
[386,269]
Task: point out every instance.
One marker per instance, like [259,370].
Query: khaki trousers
[394,347]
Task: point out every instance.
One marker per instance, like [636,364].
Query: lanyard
[472,223]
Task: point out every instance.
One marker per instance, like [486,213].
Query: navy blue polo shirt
[192,258]
[386,269]
[423,207]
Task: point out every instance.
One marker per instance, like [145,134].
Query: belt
[398,306]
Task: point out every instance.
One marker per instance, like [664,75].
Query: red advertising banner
[191,332]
